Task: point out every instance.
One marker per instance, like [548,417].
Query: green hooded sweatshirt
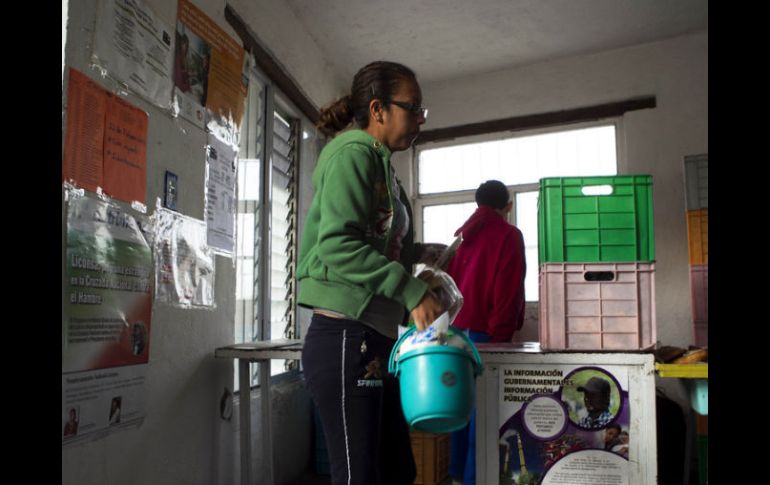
[348,232]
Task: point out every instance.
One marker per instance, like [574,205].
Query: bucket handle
[478,367]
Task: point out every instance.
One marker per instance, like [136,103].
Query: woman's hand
[426,311]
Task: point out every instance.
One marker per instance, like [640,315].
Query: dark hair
[378,80]
[616,426]
[493,193]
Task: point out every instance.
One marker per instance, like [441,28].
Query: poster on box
[134,47]
[106,318]
[563,425]
[209,70]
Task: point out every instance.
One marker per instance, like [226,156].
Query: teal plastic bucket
[437,384]
[699,396]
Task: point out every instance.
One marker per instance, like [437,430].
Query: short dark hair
[616,426]
[493,193]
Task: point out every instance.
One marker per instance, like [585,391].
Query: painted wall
[183,439]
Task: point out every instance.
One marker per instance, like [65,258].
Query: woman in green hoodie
[354,271]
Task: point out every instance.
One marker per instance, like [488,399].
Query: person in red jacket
[489,270]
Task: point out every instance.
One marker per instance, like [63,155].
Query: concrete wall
[183,439]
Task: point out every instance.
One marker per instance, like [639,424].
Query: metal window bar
[285,180]
[250,208]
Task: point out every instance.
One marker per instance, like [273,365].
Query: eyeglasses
[412,108]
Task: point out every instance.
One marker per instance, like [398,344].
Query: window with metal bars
[283,234]
[266,253]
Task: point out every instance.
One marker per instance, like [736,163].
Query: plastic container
[594,219]
[437,384]
[699,294]
[597,306]
[698,236]
[696,182]
[699,396]
[431,456]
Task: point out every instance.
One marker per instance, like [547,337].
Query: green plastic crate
[578,227]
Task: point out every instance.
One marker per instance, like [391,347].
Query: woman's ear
[375,110]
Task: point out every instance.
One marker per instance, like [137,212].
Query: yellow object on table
[687,371]
[699,387]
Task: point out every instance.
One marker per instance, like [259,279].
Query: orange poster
[83,145]
[125,151]
[208,68]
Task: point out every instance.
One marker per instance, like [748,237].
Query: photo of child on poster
[593,398]
[583,424]
[115,410]
[71,425]
[191,64]
[138,338]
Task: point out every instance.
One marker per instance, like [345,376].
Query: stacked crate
[597,270]
[431,457]
[430,451]
[696,194]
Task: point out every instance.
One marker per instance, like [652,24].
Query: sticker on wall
[170,191]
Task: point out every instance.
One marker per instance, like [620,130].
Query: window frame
[420,201]
[274,102]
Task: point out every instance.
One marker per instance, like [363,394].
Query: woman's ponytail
[335,117]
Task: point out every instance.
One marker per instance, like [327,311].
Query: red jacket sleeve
[507,314]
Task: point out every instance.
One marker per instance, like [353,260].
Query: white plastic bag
[443,287]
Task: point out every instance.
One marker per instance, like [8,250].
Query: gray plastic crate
[696,181]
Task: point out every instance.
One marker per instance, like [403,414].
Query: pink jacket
[489,270]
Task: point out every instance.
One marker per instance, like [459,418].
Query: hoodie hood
[483,216]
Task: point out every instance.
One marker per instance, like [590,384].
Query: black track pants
[346,373]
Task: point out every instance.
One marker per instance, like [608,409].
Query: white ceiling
[445,39]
